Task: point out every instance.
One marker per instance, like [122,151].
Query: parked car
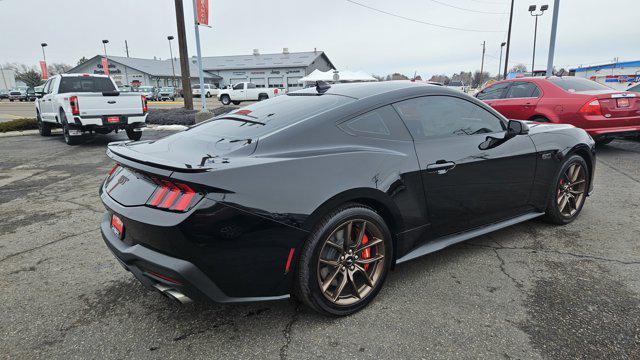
[166,93]
[4,94]
[18,95]
[209,90]
[457,85]
[321,191]
[603,112]
[84,103]
[149,92]
[246,91]
[39,90]
[30,94]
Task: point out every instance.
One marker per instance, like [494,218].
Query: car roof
[366,89]
[85,74]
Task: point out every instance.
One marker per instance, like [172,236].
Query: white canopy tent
[344,75]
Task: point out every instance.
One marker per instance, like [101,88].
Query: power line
[465,9]
[489,2]
[420,21]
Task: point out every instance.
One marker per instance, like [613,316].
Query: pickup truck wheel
[70,140]
[224,99]
[208,95]
[133,135]
[43,128]
[263,97]
[236,102]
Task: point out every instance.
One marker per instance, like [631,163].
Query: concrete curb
[150,127]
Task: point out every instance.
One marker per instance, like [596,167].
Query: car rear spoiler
[119,152]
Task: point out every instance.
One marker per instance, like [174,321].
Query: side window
[493,92]
[238,86]
[381,123]
[45,89]
[446,116]
[522,90]
[251,86]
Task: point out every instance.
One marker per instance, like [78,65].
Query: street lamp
[500,65]
[173,68]
[44,56]
[532,11]
[104,44]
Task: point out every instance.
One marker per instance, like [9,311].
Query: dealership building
[618,75]
[282,70]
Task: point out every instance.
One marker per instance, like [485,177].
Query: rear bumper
[620,131]
[177,274]
[99,121]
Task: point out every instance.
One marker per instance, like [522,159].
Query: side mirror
[515,127]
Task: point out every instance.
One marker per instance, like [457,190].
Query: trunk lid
[100,104]
[619,104]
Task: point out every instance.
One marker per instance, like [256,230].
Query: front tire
[344,262]
[225,100]
[569,192]
[133,135]
[44,128]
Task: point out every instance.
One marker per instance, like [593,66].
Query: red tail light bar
[592,107]
[171,196]
[145,108]
[75,107]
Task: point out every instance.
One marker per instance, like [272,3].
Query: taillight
[592,107]
[75,107]
[113,169]
[144,104]
[171,196]
[275,91]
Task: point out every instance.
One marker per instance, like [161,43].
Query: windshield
[166,89]
[145,88]
[572,84]
[264,117]
[81,84]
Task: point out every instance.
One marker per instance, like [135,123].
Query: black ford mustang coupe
[319,193]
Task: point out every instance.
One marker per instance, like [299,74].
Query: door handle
[441,167]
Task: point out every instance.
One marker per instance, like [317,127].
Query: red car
[603,112]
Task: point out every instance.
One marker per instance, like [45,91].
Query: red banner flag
[43,68]
[105,66]
[202,12]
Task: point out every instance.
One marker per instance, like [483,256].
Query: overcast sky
[354,37]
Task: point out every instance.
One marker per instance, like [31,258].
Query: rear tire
[569,191]
[133,135]
[361,269]
[605,141]
[541,119]
[262,97]
[70,140]
[225,99]
[236,102]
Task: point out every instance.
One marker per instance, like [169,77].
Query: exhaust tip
[173,294]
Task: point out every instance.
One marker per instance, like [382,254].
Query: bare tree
[58,68]
[518,68]
[30,77]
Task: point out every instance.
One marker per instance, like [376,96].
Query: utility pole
[552,41]
[173,68]
[484,43]
[199,52]
[506,57]
[500,62]
[184,56]
[126,73]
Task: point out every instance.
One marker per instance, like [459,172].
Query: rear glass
[455,83]
[86,84]
[267,116]
[572,84]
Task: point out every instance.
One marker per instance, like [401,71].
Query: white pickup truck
[246,91]
[84,103]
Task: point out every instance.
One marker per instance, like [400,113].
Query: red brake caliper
[366,253]
[561,183]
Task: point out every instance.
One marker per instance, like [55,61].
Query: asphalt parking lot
[17,109]
[528,292]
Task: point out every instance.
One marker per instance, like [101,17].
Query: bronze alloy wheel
[351,262]
[571,190]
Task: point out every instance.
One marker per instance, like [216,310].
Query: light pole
[506,56]
[532,11]
[552,38]
[44,56]
[173,68]
[500,62]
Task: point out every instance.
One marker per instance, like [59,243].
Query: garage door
[293,84]
[233,81]
[276,82]
[260,83]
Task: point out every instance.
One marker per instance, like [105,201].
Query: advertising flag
[43,68]
[105,66]
[202,12]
